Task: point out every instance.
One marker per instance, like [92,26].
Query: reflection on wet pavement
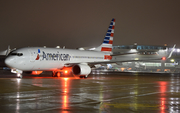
[98,94]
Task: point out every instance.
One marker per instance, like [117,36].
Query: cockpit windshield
[18,54]
[13,53]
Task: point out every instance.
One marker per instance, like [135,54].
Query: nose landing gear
[18,72]
[19,75]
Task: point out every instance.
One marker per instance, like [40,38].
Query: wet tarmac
[105,93]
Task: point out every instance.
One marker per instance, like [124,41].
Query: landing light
[65,71]
[18,75]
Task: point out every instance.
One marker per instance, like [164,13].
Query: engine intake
[81,69]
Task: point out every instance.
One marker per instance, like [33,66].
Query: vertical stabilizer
[106,46]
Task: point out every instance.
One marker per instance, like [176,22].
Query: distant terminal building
[145,58]
[145,49]
[140,47]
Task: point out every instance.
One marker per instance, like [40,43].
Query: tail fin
[106,46]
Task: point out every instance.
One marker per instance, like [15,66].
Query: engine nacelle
[81,69]
[33,72]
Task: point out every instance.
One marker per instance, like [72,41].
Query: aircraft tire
[81,76]
[58,74]
[53,74]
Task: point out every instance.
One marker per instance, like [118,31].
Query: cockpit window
[18,54]
[14,52]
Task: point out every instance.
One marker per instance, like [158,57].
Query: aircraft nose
[9,61]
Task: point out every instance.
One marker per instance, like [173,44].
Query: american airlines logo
[55,56]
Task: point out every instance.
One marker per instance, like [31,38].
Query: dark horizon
[84,23]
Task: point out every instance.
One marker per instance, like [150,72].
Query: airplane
[57,59]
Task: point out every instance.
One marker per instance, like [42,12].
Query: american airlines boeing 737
[56,59]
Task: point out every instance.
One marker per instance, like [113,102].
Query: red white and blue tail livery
[106,46]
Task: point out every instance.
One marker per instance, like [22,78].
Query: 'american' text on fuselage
[55,56]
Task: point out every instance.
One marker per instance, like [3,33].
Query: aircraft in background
[6,52]
[57,59]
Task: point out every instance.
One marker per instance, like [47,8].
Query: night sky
[82,23]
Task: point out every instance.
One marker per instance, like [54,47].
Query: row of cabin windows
[87,57]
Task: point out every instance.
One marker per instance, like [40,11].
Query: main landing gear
[60,74]
[56,74]
[82,76]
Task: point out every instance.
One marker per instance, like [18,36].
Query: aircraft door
[32,56]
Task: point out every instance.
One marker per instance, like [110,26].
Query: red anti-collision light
[163,58]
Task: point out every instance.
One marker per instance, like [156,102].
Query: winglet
[172,51]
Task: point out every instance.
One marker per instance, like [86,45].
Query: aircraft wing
[115,61]
[119,61]
[111,61]
[124,54]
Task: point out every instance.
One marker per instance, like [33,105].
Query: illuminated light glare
[178,50]
[163,105]
[18,95]
[65,90]
[172,60]
[18,80]
[163,90]
[122,69]
[17,104]
[143,64]
[65,71]
[136,59]
[18,75]
[163,58]
[36,72]
[58,74]
[92,48]
[133,50]
[66,79]
[109,66]
[65,101]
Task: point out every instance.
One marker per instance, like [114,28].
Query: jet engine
[81,70]
[33,72]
